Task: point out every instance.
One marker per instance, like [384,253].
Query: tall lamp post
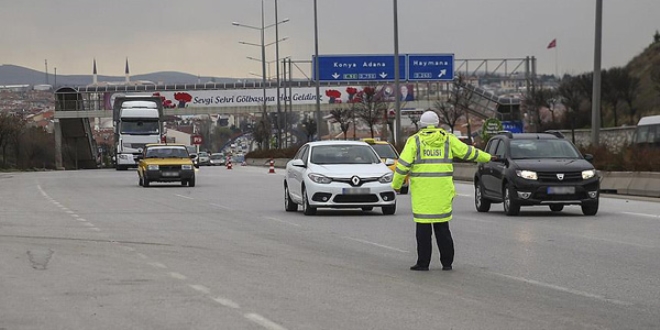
[397,74]
[316,71]
[262,29]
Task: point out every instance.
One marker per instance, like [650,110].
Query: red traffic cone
[228,163]
[271,169]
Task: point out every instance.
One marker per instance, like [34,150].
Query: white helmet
[429,118]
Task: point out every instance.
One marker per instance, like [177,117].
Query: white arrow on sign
[442,73]
[335,75]
[383,75]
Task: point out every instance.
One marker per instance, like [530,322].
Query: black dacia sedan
[536,169]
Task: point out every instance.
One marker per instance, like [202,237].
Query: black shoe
[446,267]
[418,267]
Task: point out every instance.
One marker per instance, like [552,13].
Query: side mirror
[589,158]
[297,163]
[137,158]
[193,156]
[390,161]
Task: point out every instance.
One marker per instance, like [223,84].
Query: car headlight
[525,174]
[318,178]
[186,167]
[387,178]
[152,167]
[588,174]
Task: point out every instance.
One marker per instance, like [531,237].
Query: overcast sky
[197,37]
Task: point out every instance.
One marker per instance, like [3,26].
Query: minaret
[95,78]
[127,72]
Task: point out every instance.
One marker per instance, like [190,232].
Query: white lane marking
[186,197]
[88,224]
[142,256]
[127,248]
[264,322]
[226,302]
[464,195]
[178,276]
[81,219]
[69,211]
[282,221]
[376,244]
[643,215]
[564,289]
[200,288]
[221,206]
[157,265]
[75,216]
[95,229]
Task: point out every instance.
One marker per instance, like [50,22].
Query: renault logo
[355,181]
[560,176]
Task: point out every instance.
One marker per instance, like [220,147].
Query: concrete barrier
[646,184]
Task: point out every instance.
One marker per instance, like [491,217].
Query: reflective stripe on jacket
[427,158]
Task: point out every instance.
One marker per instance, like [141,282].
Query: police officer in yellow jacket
[427,159]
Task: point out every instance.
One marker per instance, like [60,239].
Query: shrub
[274,153]
[629,158]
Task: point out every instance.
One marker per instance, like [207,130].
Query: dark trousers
[424,244]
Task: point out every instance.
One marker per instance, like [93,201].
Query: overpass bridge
[75,147]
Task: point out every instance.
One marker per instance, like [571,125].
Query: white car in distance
[338,174]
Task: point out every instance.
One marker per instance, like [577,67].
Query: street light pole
[277,73]
[316,72]
[595,109]
[397,74]
[263,65]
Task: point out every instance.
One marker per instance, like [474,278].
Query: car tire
[389,210]
[191,182]
[289,204]
[511,207]
[367,208]
[404,190]
[307,210]
[480,202]
[145,182]
[590,208]
[139,181]
[556,207]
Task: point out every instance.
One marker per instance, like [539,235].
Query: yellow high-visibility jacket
[427,158]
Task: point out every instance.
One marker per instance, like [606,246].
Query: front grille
[348,180]
[371,198]
[169,167]
[552,176]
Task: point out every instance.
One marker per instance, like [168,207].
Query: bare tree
[11,127]
[262,133]
[627,88]
[371,107]
[460,99]
[344,118]
[309,127]
[448,114]
[538,98]
[572,99]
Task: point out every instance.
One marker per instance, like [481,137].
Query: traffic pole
[229,163]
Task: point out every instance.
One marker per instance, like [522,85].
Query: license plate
[356,191]
[561,190]
[170,174]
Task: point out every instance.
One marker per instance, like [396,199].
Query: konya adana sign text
[255,97]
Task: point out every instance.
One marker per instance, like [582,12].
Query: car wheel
[191,182]
[145,182]
[289,204]
[404,190]
[367,208]
[556,207]
[590,208]
[308,210]
[511,207]
[389,210]
[480,202]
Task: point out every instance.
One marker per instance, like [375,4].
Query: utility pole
[277,72]
[595,107]
[397,77]
[316,72]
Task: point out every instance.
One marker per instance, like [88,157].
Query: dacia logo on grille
[560,176]
[355,180]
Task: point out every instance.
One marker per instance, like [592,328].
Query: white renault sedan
[338,174]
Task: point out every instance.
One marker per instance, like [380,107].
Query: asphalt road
[92,250]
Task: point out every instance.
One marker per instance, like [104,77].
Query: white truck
[138,120]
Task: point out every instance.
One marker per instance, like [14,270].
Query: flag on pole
[552,43]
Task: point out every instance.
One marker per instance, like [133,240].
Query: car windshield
[166,152]
[521,149]
[139,127]
[385,151]
[343,154]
